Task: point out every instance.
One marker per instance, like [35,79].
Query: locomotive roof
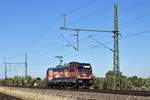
[67,65]
[58,67]
[79,63]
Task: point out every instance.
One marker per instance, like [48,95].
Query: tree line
[127,83]
[22,81]
[107,82]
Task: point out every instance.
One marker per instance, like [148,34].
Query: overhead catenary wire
[70,44]
[90,15]
[121,14]
[40,37]
[56,50]
[136,34]
[45,55]
[135,19]
[48,56]
[70,12]
[127,36]
[104,45]
[82,6]
[52,26]
[52,60]
[44,33]
[65,57]
[102,36]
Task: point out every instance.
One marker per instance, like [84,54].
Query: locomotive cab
[84,71]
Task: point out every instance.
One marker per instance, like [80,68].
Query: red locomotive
[74,74]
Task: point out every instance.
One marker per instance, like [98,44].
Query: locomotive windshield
[84,68]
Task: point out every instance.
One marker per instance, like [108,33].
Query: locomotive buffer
[115,51]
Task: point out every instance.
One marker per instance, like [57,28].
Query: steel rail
[117,92]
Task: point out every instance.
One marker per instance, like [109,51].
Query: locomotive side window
[84,69]
[87,70]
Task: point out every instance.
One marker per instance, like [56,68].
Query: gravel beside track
[80,95]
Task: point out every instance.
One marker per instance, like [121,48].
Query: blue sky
[32,26]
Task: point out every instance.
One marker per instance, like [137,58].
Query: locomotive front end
[85,75]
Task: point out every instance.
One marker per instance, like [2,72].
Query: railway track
[119,92]
[79,94]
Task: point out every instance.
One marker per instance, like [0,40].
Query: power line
[103,36]
[57,50]
[34,42]
[99,45]
[60,49]
[44,33]
[87,4]
[54,60]
[136,34]
[40,37]
[135,19]
[90,15]
[103,44]
[68,13]
[128,9]
[70,44]
[52,26]
[85,38]
[128,36]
